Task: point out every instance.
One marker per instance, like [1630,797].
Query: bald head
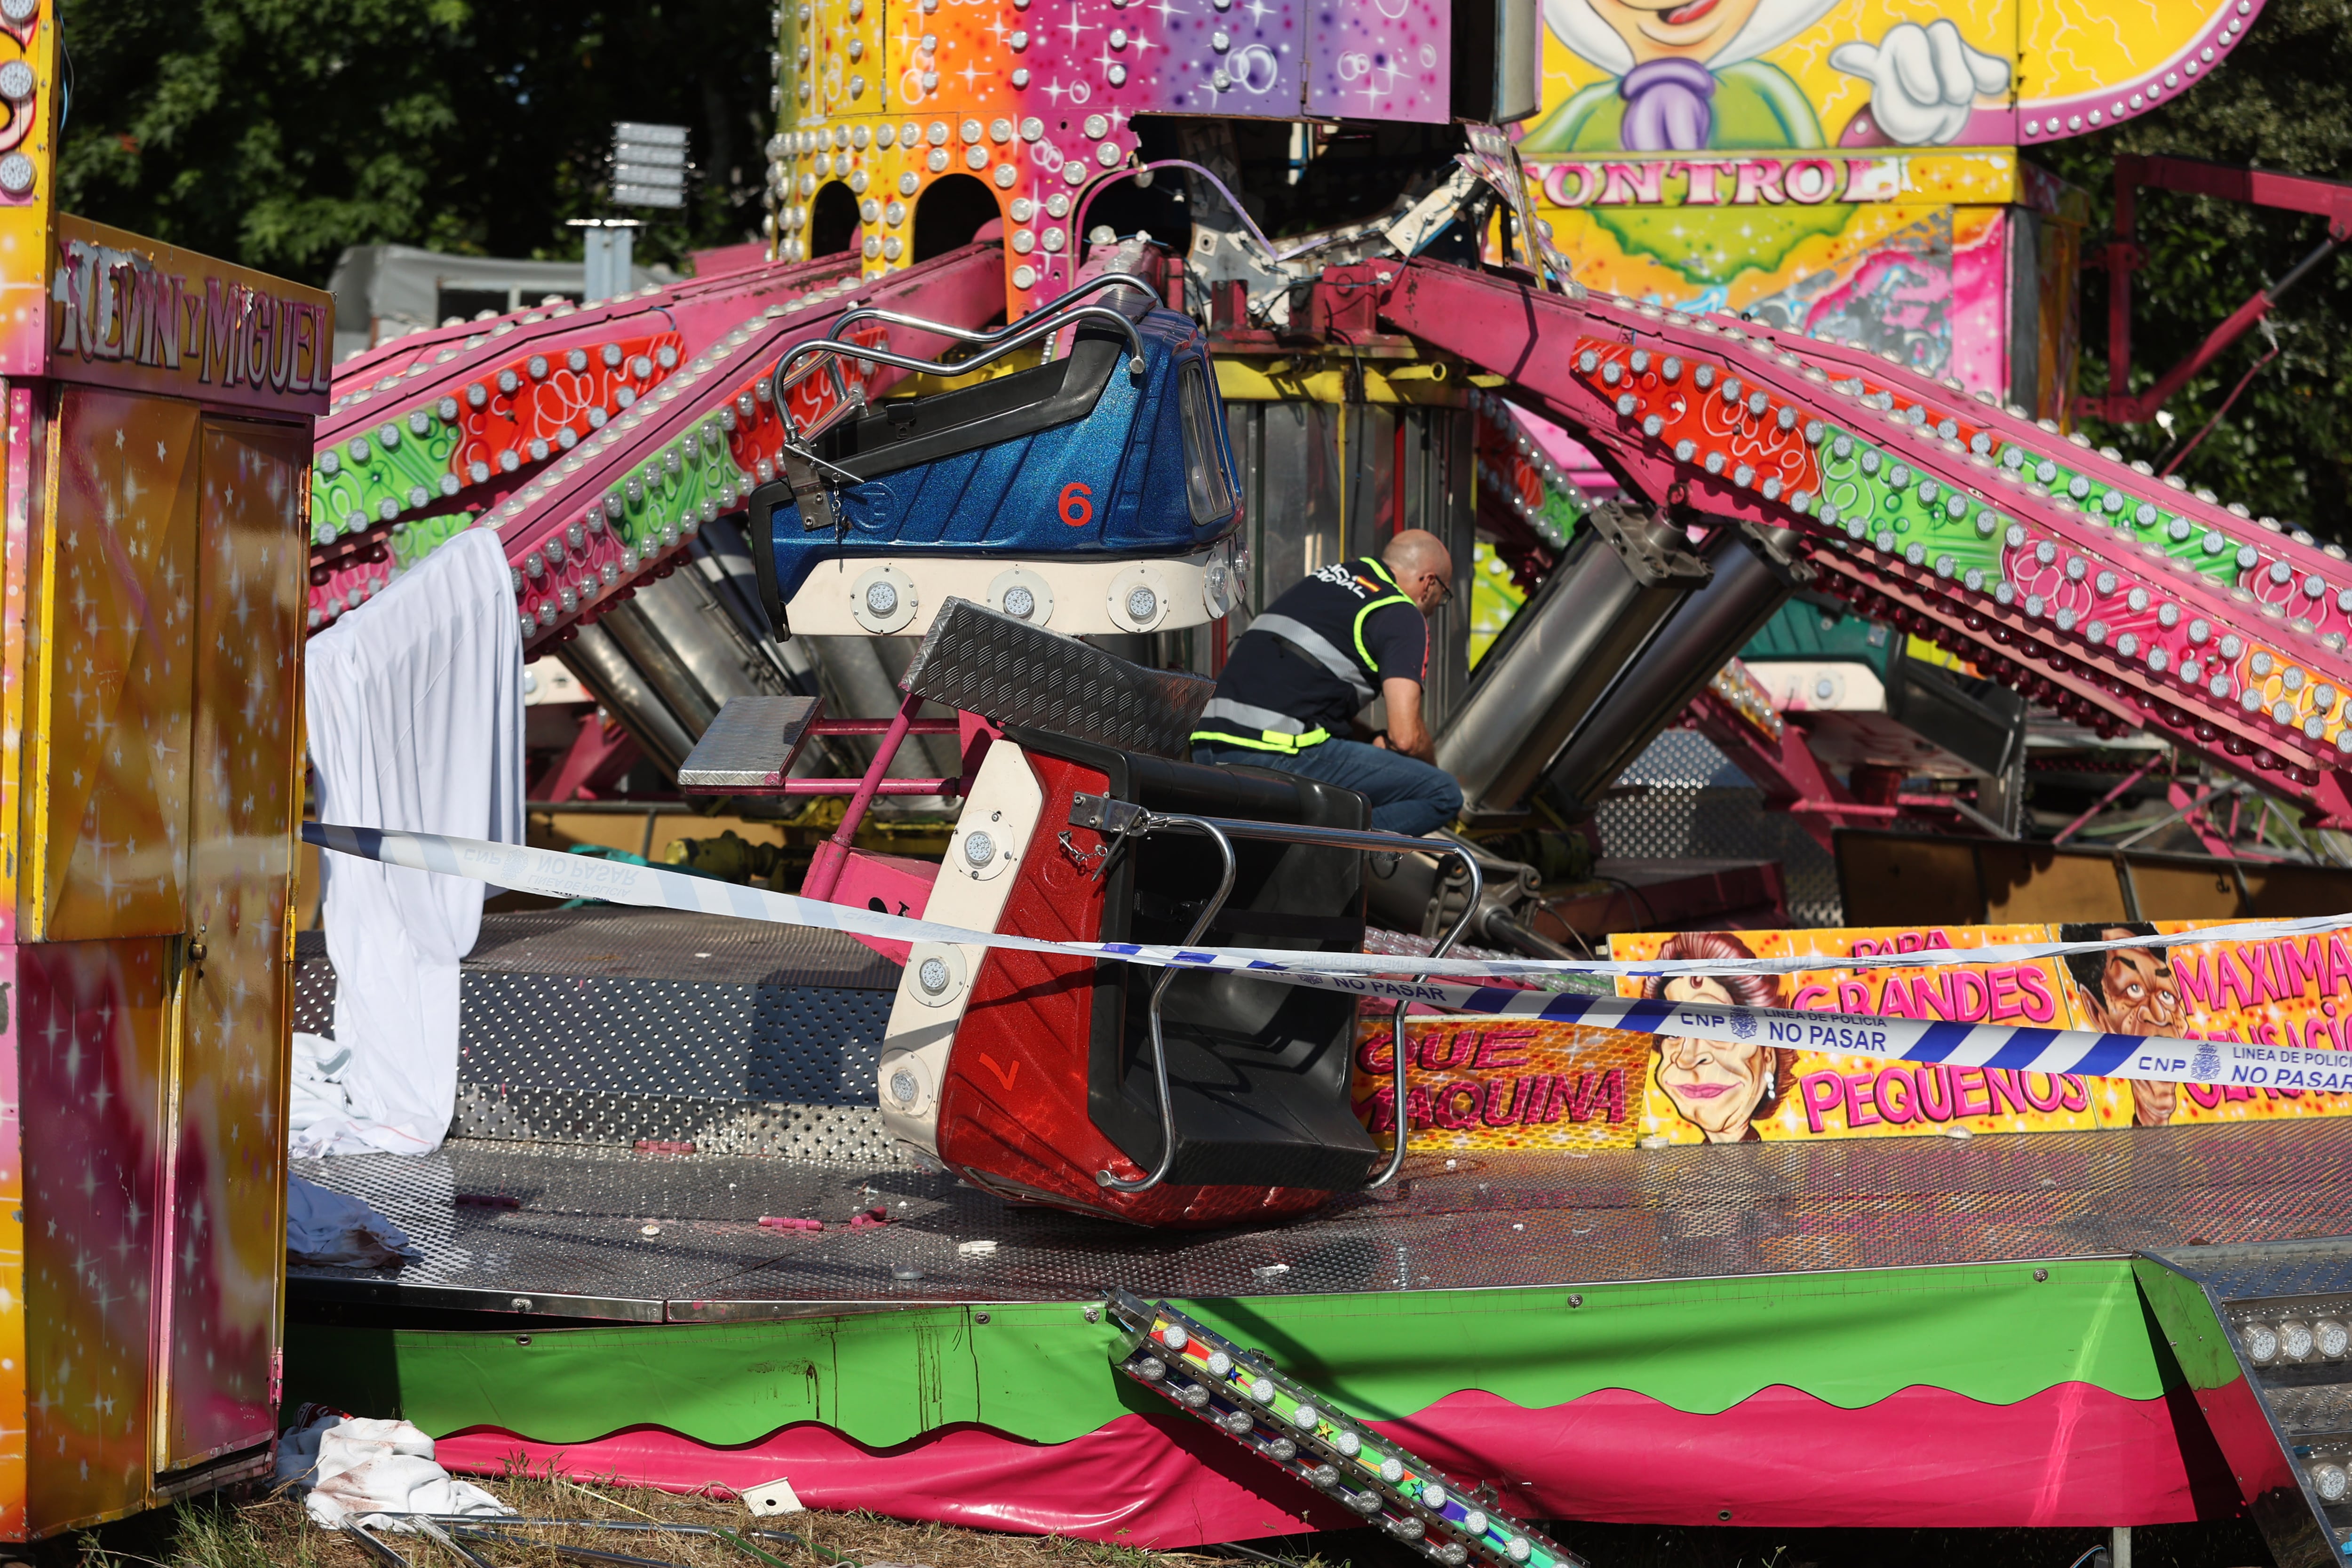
[1422,566]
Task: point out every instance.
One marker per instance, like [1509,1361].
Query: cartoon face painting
[1688,77]
[2129,991]
[1722,1088]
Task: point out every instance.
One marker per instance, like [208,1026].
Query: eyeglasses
[1445,588]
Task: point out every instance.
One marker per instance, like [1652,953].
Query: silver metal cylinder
[704,639]
[602,666]
[1422,890]
[860,677]
[665,674]
[1620,579]
[1752,579]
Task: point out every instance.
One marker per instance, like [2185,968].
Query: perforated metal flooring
[573,1244]
[610,1025]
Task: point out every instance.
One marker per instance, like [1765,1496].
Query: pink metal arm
[2159,610]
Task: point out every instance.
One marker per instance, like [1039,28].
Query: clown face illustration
[2129,991]
[1698,30]
[1688,78]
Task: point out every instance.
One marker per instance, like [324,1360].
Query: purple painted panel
[1380,59]
[1232,58]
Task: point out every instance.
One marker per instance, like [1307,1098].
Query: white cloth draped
[415,710]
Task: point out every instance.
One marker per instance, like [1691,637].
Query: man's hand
[1406,732]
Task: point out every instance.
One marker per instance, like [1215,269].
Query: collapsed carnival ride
[999,448]
[1095,494]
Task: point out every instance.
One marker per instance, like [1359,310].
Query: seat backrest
[1259,1073]
[1012,673]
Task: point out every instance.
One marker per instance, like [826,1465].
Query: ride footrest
[2263,1333]
[1009,672]
[749,746]
[1287,1426]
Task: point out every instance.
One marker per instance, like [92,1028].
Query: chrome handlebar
[1043,322]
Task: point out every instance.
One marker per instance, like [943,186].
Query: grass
[261,1530]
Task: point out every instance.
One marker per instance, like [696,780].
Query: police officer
[1317,657]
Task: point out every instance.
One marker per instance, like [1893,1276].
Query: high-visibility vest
[1285,742]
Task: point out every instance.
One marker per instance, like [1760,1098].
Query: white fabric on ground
[315,1085]
[351,1467]
[327,1227]
[415,718]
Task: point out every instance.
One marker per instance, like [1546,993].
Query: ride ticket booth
[153,580]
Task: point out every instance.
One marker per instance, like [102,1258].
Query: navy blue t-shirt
[1303,664]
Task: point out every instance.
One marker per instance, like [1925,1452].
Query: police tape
[1372,977]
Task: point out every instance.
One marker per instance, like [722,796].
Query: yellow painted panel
[228,1179]
[28,125]
[20,576]
[117,667]
[2076,49]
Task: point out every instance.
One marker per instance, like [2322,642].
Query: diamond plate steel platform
[572,1243]
[749,746]
[609,1026]
[1011,672]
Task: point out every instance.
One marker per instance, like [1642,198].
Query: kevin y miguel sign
[130,312]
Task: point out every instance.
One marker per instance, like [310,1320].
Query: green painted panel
[1042,1372]
[1802,630]
[2186,1319]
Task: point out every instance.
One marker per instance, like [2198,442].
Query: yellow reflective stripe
[1379,570]
[1264,740]
[1361,651]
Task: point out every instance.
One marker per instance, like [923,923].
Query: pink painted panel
[2070,1456]
[12,1255]
[92,1021]
[894,884]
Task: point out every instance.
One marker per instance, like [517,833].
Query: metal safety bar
[488,1525]
[1040,323]
[380,1551]
[450,1543]
[1209,911]
[1124,819]
[1053,310]
[576,1554]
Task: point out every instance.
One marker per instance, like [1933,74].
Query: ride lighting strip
[2153,1058]
[1288,1426]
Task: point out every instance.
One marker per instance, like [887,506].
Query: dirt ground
[275,1531]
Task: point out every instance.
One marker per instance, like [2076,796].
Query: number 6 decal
[1077,505]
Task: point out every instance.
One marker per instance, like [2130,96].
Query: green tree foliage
[2283,102]
[275,132]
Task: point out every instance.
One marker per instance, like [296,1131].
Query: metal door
[224,1245]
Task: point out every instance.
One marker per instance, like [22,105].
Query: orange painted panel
[117,667]
[227,1181]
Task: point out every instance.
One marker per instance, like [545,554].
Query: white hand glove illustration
[1924,81]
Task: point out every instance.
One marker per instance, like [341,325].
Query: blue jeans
[1408,795]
